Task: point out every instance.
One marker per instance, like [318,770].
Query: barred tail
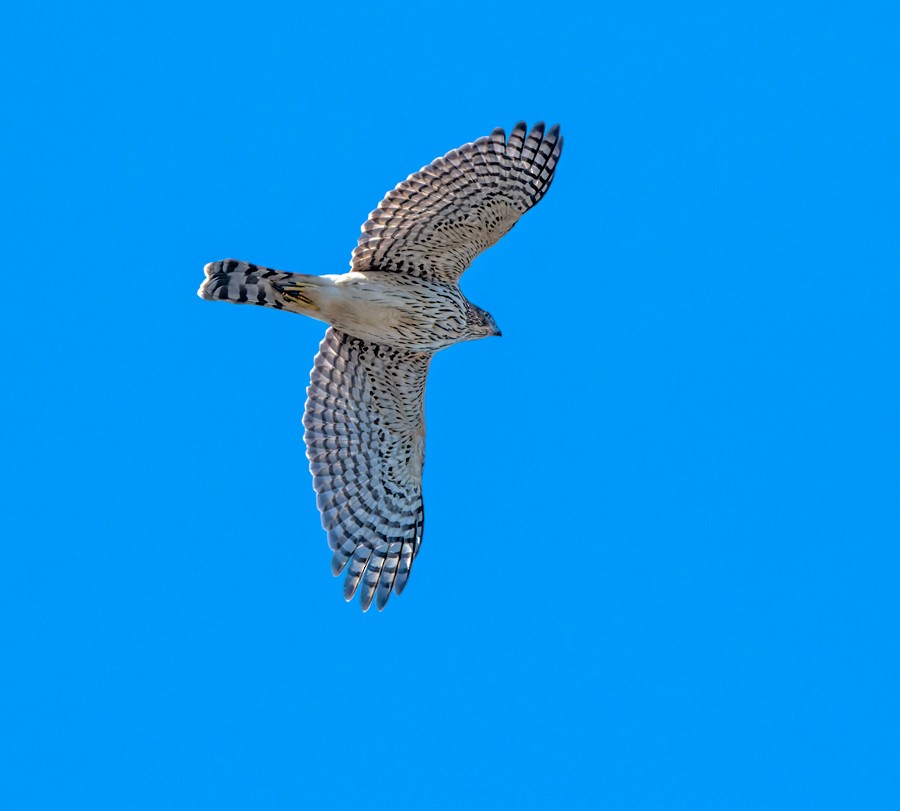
[244,283]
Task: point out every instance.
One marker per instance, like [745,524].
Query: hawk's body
[399,304]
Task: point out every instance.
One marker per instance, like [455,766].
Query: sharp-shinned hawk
[399,304]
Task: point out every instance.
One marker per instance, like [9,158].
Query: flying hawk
[399,304]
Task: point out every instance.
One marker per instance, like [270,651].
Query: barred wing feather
[434,223]
[365,438]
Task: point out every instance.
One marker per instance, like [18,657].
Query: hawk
[399,304]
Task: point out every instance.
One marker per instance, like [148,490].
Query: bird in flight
[399,304]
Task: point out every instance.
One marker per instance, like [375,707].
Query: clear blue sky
[672,485]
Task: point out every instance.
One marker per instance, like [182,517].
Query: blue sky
[672,485]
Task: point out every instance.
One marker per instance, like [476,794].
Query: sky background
[672,485]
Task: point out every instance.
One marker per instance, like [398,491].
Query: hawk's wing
[365,439]
[439,219]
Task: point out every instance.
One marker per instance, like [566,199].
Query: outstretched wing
[365,440]
[435,222]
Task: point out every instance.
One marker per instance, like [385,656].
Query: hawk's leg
[293,294]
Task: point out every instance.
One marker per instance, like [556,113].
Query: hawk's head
[480,323]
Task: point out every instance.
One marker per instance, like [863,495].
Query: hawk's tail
[244,283]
